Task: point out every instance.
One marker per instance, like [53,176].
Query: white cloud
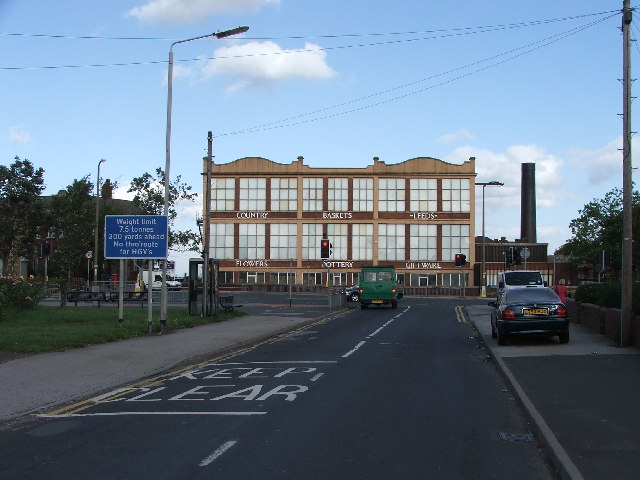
[456,136]
[506,167]
[19,136]
[600,165]
[263,63]
[194,11]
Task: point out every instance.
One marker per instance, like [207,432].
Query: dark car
[529,311]
[352,293]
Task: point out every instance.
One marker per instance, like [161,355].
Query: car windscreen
[523,278]
[531,295]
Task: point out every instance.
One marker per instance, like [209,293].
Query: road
[375,394]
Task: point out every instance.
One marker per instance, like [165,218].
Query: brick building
[267,219]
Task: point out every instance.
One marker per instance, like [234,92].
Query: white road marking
[218,453]
[354,349]
[117,414]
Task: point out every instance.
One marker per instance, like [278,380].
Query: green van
[378,286]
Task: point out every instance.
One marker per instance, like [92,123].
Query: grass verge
[45,328]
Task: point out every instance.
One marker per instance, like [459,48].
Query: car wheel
[502,338]
[493,332]
[394,304]
[564,337]
[355,297]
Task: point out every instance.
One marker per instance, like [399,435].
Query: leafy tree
[73,223]
[149,199]
[599,227]
[20,210]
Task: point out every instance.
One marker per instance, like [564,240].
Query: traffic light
[461,259]
[509,257]
[517,257]
[325,248]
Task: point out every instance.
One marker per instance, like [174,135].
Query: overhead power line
[521,51]
[433,34]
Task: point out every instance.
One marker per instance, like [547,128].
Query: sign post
[135,237]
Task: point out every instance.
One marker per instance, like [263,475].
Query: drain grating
[516,437]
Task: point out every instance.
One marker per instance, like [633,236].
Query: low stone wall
[605,321]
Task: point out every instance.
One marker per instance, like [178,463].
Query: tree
[73,223]
[149,199]
[20,210]
[598,228]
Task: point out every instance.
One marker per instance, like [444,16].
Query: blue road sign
[136,236]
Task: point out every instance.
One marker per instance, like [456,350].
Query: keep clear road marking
[374,333]
[218,453]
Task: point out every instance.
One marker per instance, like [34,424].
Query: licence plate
[377,301]
[535,311]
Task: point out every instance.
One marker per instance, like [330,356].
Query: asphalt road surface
[368,394]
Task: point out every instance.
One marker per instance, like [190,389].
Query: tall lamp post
[218,34]
[495,183]
[95,245]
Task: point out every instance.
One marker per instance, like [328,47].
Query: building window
[363,194]
[223,194]
[312,278]
[284,194]
[251,241]
[391,242]
[362,241]
[455,239]
[282,278]
[455,279]
[338,234]
[423,242]
[221,245]
[424,194]
[253,194]
[312,194]
[391,193]
[283,241]
[311,236]
[252,278]
[455,195]
[338,194]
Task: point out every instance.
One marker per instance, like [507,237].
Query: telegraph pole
[205,229]
[627,185]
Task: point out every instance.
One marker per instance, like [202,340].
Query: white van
[519,278]
[157,282]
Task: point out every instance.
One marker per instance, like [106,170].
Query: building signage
[136,236]
[250,215]
[423,215]
[252,263]
[337,264]
[337,215]
[423,265]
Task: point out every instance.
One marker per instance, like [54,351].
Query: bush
[17,293]
[607,295]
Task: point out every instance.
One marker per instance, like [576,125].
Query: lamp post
[95,245]
[483,276]
[218,34]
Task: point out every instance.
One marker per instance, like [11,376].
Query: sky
[337,82]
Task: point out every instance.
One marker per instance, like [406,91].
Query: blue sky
[338,82]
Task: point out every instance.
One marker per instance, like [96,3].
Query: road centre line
[353,350]
[218,453]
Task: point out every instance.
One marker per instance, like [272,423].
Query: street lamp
[218,34]
[495,183]
[95,245]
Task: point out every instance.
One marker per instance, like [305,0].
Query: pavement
[580,398]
